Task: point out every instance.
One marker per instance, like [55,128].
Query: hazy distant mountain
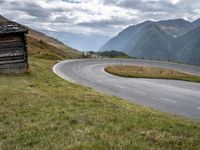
[120,41]
[187,47]
[156,40]
[196,22]
[150,42]
[176,27]
[82,42]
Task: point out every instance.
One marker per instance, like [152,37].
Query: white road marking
[168,100]
[140,92]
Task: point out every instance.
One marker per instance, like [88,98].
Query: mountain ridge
[140,40]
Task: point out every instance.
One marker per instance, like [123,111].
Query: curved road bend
[178,97]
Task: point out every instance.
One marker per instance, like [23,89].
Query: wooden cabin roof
[11,27]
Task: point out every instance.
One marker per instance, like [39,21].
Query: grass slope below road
[150,72]
[42,111]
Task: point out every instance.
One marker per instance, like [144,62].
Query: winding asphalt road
[177,97]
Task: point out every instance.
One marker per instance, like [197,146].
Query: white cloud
[101,16]
[175,1]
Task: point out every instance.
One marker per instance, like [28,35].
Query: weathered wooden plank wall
[13,53]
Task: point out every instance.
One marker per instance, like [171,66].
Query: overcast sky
[106,17]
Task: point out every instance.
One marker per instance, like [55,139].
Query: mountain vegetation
[113,54]
[170,40]
[105,54]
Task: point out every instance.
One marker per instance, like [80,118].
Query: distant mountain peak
[196,22]
[174,20]
[146,22]
[160,40]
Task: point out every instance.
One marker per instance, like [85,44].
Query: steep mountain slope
[187,47]
[42,45]
[120,41]
[41,49]
[175,27]
[66,51]
[151,42]
[146,40]
[196,22]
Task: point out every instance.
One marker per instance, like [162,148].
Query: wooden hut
[13,50]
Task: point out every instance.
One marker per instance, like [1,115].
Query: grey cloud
[73,1]
[32,9]
[184,6]
[2,1]
[63,19]
[105,23]
[58,16]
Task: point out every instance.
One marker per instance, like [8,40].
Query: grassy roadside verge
[150,72]
[41,111]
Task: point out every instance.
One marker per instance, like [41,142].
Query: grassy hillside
[39,110]
[41,49]
[53,43]
[41,45]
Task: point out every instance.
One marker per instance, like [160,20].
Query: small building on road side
[13,49]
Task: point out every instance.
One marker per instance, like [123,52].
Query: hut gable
[13,50]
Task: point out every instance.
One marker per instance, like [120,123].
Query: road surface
[177,97]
